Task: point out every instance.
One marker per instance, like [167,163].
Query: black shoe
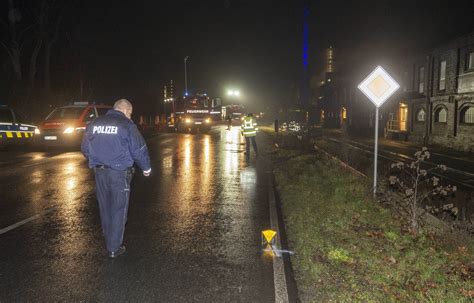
[117,253]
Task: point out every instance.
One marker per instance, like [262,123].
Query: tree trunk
[47,69]
[16,64]
[33,61]
[14,49]
[82,83]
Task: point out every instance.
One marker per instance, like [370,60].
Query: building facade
[435,103]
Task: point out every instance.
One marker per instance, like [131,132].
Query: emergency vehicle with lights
[13,129]
[65,125]
[194,113]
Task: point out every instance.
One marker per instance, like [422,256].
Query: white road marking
[279,278]
[23,222]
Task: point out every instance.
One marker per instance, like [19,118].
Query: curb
[284,281]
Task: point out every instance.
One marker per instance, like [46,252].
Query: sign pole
[378,86]
[376,149]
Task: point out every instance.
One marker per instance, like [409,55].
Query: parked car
[13,129]
[65,125]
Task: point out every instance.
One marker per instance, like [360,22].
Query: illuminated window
[441,115]
[442,75]
[403,115]
[421,115]
[467,115]
[421,80]
[470,61]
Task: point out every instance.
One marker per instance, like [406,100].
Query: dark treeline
[41,58]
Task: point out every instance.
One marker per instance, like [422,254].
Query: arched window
[467,115]
[441,115]
[421,115]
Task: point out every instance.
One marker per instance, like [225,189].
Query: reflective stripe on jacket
[249,127]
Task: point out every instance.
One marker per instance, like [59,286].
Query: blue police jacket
[113,140]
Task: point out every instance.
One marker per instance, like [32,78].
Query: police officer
[229,122]
[112,144]
[249,131]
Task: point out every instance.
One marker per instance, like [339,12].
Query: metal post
[185,76]
[376,143]
[164,105]
[165,96]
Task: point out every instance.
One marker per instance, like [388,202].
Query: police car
[65,125]
[13,130]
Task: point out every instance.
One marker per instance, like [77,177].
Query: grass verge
[348,248]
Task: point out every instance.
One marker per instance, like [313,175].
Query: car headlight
[37,131]
[68,130]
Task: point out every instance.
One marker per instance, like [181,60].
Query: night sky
[132,48]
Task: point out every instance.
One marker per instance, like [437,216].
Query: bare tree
[415,185]
[15,42]
[39,25]
[51,29]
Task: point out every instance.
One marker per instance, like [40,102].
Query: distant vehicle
[65,125]
[235,111]
[191,113]
[13,129]
[295,120]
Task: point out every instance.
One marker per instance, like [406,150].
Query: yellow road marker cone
[268,237]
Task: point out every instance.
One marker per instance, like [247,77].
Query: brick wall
[444,133]
[465,132]
[417,133]
[451,58]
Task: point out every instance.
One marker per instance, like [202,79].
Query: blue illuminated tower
[304,85]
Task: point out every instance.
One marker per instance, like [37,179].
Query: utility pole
[164,99]
[185,76]
[304,85]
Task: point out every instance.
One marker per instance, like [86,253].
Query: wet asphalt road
[193,231]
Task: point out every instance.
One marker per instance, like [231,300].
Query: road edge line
[279,277]
[23,222]
[282,262]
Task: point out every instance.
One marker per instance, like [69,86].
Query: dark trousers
[113,193]
[247,145]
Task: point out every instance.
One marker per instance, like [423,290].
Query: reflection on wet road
[193,231]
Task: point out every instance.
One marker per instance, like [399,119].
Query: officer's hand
[146,173]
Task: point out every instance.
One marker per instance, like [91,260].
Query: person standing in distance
[249,131]
[112,144]
[229,122]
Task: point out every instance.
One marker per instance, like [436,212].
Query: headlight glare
[68,130]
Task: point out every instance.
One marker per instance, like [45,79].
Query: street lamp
[185,76]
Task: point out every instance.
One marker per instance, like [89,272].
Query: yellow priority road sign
[268,237]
